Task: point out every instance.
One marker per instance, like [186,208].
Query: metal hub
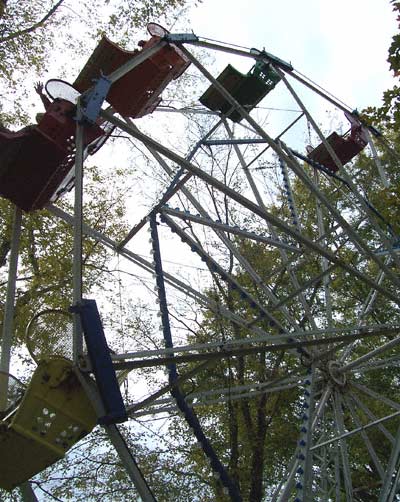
[337,376]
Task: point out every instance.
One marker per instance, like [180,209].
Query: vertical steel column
[77,346]
[287,491]
[27,493]
[338,482]
[324,476]
[305,456]
[8,321]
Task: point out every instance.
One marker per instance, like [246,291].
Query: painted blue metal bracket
[99,355]
[93,99]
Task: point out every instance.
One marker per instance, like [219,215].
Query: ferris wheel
[298,297]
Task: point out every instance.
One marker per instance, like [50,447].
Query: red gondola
[138,92]
[346,147]
[35,160]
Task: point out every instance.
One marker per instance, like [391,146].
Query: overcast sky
[342,44]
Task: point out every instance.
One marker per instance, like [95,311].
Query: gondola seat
[36,160]
[247,89]
[54,414]
[138,92]
[346,148]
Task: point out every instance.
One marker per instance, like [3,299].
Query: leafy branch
[35,26]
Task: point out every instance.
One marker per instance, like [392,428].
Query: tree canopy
[31,33]
[388,115]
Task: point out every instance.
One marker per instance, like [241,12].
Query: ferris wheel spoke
[371,416]
[375,395]
[372,453]
[338,480]
[366,357]
[390,362]
[283,253]
[366,308]
[283,492]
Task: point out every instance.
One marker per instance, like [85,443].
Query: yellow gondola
[54,414]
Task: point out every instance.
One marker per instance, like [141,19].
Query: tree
[388,115]
[32,32]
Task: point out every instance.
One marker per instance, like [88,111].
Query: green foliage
[394,49]
[31,33]
[388,115]
[45,260]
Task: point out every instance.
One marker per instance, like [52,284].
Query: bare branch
[35,26]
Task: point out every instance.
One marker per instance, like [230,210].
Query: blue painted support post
[99,355]
[190,416]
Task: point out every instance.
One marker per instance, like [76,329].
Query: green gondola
[248,90]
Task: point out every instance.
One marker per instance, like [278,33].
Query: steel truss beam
[117,440]
[261,212]
[231,344]
[221,354]
[229,229]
